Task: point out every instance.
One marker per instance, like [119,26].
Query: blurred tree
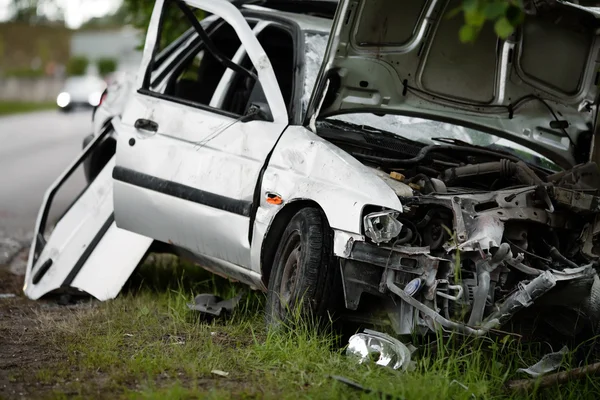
[118,18]
[77,66]
[1,52]
[106,66]
[37,11]
[24,10]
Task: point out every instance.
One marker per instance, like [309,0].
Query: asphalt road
[34,149]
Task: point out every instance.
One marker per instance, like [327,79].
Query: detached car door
[186,173]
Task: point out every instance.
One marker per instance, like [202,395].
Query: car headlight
[382,226]
[63,99]
[94,98]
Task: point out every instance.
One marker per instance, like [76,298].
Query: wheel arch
[276,229]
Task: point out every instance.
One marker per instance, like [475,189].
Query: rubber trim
[184,192]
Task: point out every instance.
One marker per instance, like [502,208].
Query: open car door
[85,252]
[187,171]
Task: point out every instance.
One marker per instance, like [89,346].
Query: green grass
[16,107]
[147,344]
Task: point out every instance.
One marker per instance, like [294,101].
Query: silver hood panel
[536,88]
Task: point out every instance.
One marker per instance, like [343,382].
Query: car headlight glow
[94,98]
[63,99]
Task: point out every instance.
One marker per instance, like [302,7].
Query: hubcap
[290,276]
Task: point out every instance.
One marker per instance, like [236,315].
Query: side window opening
[243,92]
[199,68]
[197,78]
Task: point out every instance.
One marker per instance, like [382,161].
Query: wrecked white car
[421,181]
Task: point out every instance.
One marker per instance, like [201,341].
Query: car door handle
[146,125]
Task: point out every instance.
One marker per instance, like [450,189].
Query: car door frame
[277,106]
[237,20]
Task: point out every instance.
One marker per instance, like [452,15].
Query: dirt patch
[24,347]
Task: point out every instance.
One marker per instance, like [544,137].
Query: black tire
[303,270]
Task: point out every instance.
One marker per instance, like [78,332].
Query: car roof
[305,22]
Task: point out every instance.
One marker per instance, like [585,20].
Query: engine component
[382,227]
[503,168]
[522,298]
[484,268]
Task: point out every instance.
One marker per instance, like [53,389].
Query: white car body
[219,181]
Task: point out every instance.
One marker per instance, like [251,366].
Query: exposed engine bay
[482,236]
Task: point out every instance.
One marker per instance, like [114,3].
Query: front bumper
[385,274]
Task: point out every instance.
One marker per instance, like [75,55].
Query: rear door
[186,171]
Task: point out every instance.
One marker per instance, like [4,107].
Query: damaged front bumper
[417,301]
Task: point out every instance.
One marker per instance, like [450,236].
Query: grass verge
[18,107]
[147,344]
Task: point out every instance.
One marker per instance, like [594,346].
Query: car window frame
[146,88]
[294,109]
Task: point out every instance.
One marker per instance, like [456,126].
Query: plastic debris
[550,362]
[219,372]
[214,305]
[381,348]
[7,295]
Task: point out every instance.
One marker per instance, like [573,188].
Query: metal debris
[358,386]
[526,385]
[383,349]
[462,385]
[214,305]
[550,362]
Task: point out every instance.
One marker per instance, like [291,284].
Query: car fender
[303,166]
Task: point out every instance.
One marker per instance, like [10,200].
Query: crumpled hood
[537,88]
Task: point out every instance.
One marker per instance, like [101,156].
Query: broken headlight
[382,226]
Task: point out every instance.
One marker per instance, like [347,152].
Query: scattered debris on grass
[528,385]
[219,372]
[214,305]
[358,386]
[381,348]
[550,362]
[462,385]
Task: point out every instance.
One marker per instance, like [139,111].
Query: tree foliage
[106,66]
[35,11]
[77,66]
[506,15]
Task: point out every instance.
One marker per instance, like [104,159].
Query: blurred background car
[81,91]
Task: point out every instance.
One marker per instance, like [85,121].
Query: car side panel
[304,166]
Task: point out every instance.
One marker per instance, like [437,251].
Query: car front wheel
[303,272]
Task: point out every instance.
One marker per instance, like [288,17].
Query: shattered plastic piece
[214,305]
[7,295]
[381,348]
[219,372]
[550,362]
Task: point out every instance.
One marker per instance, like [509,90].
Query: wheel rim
[290,275]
